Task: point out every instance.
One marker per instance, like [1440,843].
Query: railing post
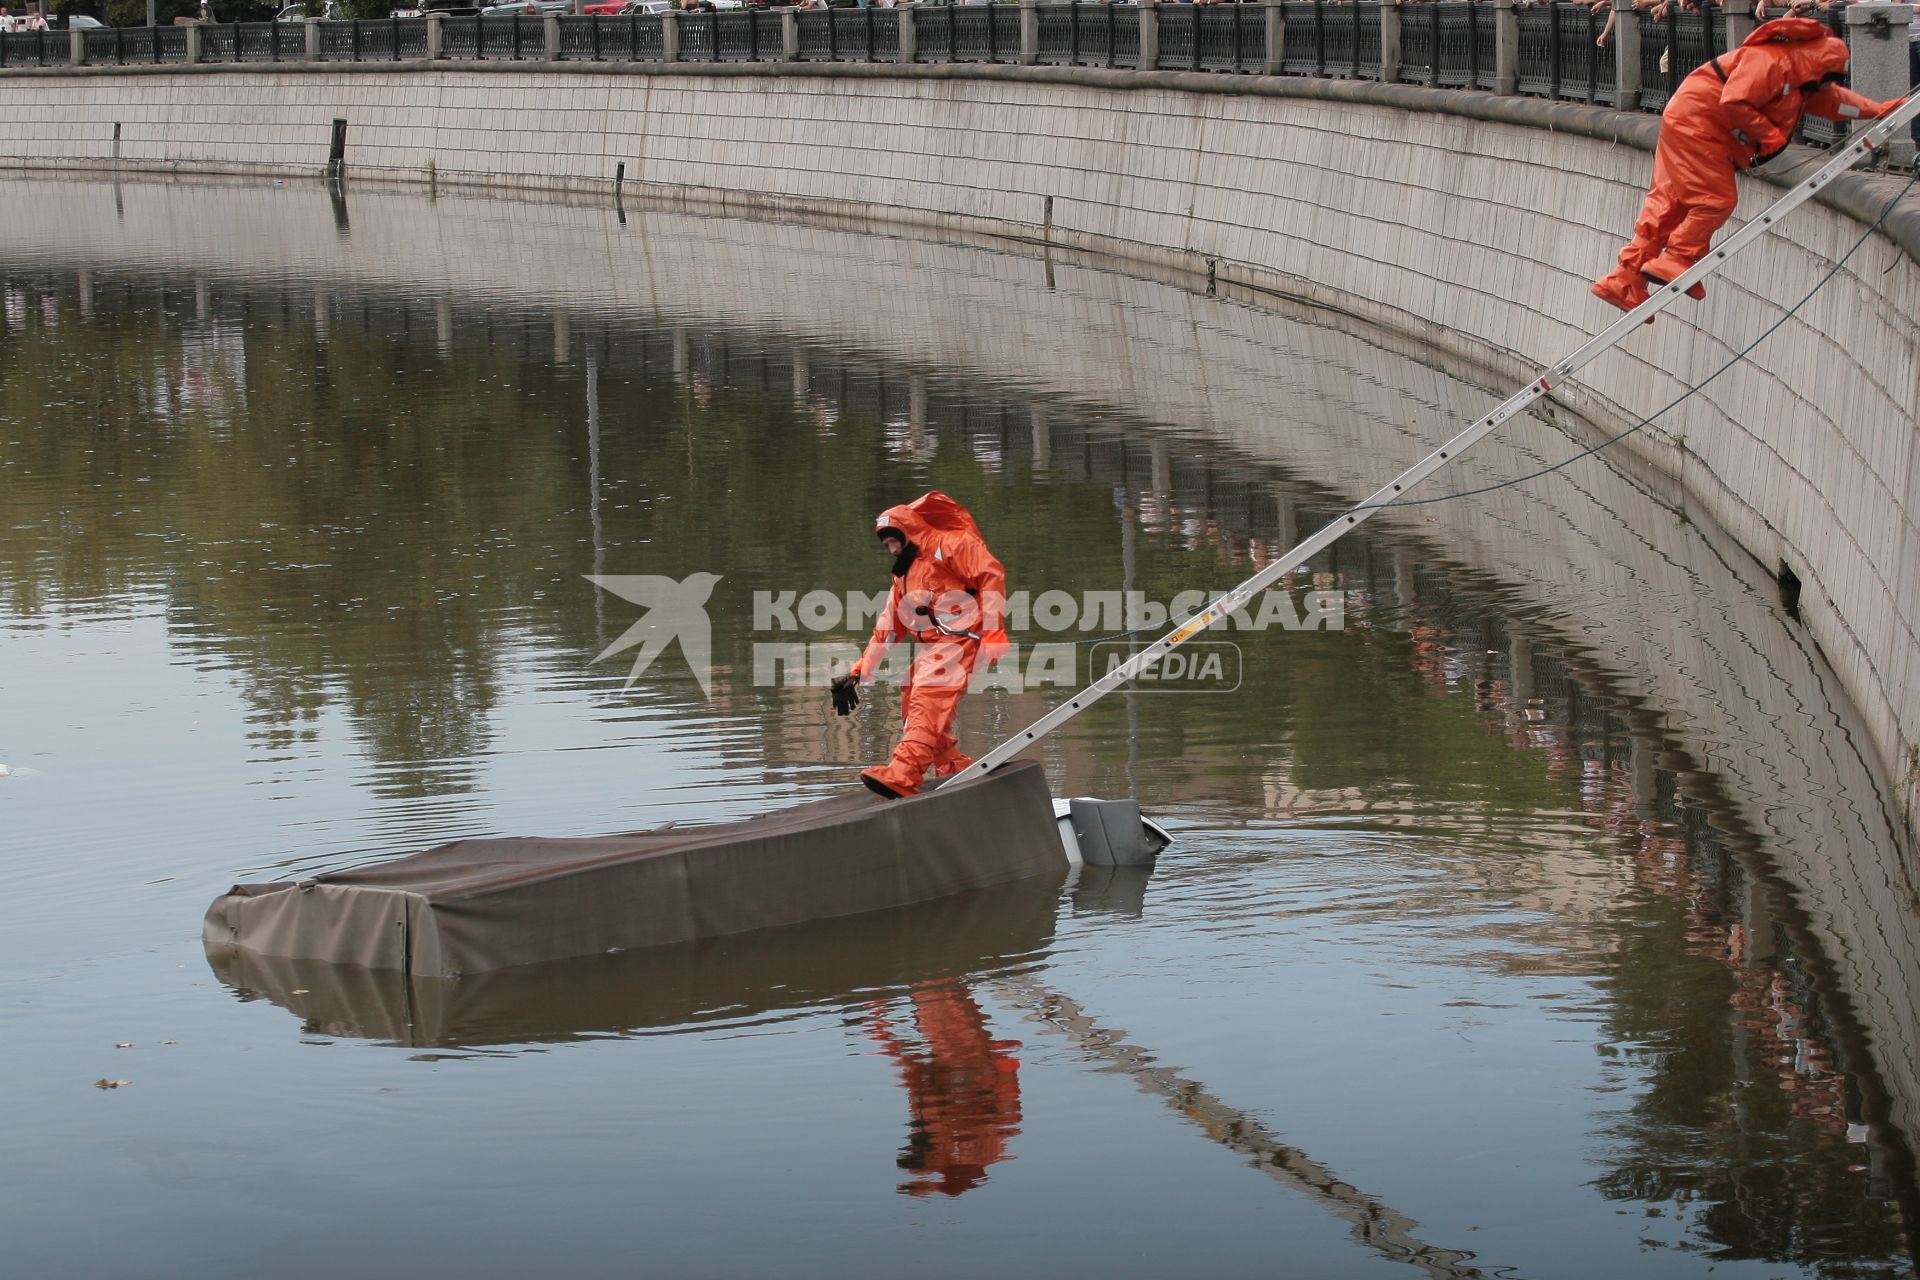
[193,45]
[1275,61]
[550,33]
[1506,48]
[77,47]
[909,36]
[1740,23]
[670,36]
[1149,34]
[1389,41]
[790,34]
[1626,54]
[1029,31]
[436,36]
[1877,34]
[313,38]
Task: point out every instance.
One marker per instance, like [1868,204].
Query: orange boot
[1622,288]
[900,777]
[1667,268]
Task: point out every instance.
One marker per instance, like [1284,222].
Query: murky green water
[1542,920]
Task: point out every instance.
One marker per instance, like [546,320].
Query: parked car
[527,8]
[81,22]
[620,8]
[330,12]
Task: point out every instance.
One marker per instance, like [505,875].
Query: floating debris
[124,1044]
[104,1083]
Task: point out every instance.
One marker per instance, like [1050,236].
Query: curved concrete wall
[1455,219]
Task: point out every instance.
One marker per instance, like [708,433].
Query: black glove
[1765,156]
[845,692]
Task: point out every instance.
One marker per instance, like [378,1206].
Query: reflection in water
[1589,743]
[1119,891]
[1375,1225]
[963,1088]
[1721,1003]
[738,979]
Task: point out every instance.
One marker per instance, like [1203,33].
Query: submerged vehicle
[473,906]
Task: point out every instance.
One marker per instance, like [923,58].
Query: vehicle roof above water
[475,905]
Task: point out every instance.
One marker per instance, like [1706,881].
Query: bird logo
[676,609]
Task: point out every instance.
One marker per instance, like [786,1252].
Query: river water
[1536,917]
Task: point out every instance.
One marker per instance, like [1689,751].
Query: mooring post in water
[337,152]
[1869,141]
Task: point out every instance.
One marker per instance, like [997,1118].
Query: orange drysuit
[963,1091]
[950,579]
[1739,109]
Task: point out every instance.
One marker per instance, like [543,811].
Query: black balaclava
[903,561]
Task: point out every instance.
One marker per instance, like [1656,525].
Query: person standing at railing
[1737,111]
[1793,8]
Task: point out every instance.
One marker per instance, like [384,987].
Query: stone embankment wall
[1465,222]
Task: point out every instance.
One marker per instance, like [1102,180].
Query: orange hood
[928,516]
[1812,49]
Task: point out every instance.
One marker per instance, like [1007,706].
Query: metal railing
[1561,56]
[631,37]
[765,35]
[1230,37]
[966,33]
[1368,41]
[1555,50]
[1827,132]
[1671,50]
[503,39]
[850,35]
[1450,46]
[1089,35]
[1325,39]
[34,48]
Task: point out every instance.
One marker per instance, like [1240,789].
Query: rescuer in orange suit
[963,1090]
[1737,111]
[947,595]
